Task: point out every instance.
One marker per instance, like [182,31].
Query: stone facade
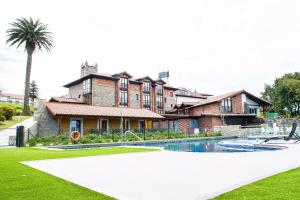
[46,124]
[104,92]
[87,69]
[170,99]
[134,96]
[76,91]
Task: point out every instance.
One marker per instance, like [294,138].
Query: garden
[115,136]
[11,114]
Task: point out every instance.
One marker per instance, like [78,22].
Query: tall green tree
[34,91]
[284,94]
[36,36]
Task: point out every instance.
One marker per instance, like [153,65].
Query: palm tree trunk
[26,109]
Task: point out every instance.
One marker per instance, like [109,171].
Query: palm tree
[35,35]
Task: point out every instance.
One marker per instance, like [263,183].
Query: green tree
[284,94]
[34,91]
[36,36]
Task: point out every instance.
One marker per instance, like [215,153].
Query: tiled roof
[219,98]
[12,96]
[65,100]
[98,111]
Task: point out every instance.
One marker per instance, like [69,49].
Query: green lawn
[285,186]
[15,120]
[18,181]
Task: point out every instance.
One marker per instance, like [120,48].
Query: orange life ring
[75,139]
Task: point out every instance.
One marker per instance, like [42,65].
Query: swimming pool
[225,145]
[200,145]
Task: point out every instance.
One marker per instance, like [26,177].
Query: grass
[285,186]
[20,182]
[15,120]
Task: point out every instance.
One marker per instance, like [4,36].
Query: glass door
[76,125]
[104,125]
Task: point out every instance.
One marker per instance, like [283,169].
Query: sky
[212,46]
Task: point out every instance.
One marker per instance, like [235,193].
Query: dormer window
[87,86]
[123,83]
[146,86]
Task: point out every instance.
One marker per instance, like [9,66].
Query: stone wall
[76,91]
[104,92]
[170,100]
[46,124]
[133,91]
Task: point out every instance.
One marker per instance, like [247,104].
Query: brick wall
[216,121]
[237,105]
[209,108]
[205,122]
[184,125]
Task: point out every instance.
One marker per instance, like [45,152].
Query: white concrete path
[168,175]
[11,131]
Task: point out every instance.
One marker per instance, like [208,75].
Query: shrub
[2,118]
[7,111]
[32,142]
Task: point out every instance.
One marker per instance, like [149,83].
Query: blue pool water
[196,145]
[209,146]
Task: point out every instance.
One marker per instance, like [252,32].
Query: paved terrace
[170,175]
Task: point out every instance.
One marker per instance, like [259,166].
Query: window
[147,100]
[124,98]
[159,101]
[126,124]
[194,123]
[123,83]
[159,89]
[226,105]
[146,86]
[171,94]
[87,86]
[252,111]
[137,97]
[160,111]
